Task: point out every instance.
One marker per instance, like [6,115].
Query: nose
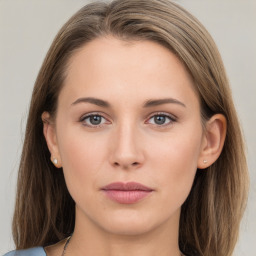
[127,148]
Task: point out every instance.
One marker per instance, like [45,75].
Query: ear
[213,141]
[49,131]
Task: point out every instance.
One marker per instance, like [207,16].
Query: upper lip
[129,186]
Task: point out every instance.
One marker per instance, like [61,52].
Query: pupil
[159,119]
[95,120]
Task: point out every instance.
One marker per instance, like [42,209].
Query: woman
[133,145]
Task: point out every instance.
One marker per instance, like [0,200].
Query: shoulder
[37,251]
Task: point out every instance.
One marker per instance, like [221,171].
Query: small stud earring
[205,161]
[55,161]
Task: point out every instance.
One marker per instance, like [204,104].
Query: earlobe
[51,140]
[213,141]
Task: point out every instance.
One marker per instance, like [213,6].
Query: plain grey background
[27,28]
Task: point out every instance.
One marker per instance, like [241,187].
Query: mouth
[126,193]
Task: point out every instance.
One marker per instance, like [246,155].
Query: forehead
[107,66]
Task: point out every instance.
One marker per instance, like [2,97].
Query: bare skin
[149,131]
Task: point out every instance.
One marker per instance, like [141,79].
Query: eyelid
[162,113]
[94,113]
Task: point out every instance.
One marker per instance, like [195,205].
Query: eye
[93,120]
[161,119]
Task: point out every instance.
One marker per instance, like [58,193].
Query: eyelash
[83,119]
[171,118]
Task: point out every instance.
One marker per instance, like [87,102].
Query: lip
[126,193]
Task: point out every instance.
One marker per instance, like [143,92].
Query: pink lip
[126,193]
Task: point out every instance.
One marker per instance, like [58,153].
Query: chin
[128,228]
[131,223]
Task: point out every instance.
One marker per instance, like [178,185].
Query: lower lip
[126,197]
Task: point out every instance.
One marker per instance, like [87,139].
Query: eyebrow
[95,101]
[148,103]
[157,102]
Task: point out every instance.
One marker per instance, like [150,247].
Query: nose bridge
[126,145]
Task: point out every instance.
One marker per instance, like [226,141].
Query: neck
[93,240]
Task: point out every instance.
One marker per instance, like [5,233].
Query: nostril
[133,164]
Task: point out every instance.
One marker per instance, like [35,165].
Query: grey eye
[95,119]
[159,119]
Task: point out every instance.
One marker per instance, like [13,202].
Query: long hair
[211,215]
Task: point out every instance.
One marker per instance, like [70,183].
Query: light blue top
[37,251]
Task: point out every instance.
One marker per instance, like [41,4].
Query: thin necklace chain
[68,240]
[66,245]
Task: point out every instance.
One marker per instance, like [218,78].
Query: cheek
[175,161]
[79,148]
[81,155]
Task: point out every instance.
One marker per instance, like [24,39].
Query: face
[127,114]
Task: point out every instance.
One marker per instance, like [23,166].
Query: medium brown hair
[211,215]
